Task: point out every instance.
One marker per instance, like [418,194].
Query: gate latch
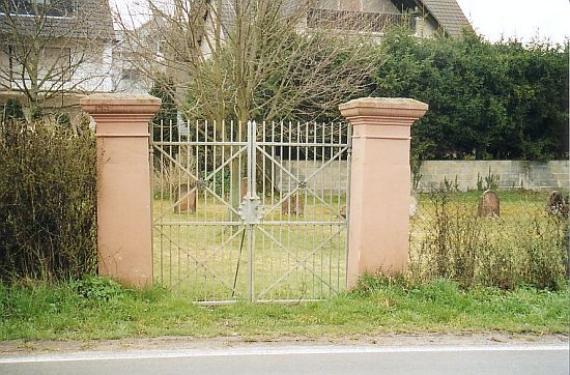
[251,211]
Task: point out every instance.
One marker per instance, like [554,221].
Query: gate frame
[381,131]
[251,210]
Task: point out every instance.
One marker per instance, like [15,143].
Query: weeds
[489,182]
[449,241]
[97,288]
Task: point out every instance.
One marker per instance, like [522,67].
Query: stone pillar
[124,227]
[380,184]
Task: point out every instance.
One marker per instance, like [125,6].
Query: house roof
[448,14]
[89,19]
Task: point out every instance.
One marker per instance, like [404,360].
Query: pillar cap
[384,107]
[120,104]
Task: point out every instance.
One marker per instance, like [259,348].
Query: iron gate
[251,211]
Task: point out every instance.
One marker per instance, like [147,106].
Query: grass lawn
[101,310]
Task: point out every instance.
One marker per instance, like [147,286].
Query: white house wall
[94,75]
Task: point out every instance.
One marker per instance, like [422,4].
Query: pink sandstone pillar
[380,184]
[124,227]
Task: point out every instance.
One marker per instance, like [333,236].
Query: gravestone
[489,205]
[186,199]
[294,205]
[343,212]
[557,205]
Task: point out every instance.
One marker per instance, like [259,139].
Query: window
[13,62]
[130,74]
[6,60]
[55,64]
[54,8]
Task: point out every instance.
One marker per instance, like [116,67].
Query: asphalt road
[329,360]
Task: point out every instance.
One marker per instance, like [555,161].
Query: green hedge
[47,200]
[487,101]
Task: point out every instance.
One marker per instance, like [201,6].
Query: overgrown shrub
[12,109]
[449,241]
[47,200]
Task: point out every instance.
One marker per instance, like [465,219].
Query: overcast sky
[524,19]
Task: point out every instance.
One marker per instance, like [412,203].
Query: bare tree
[52,48]
[245,59]
[253,59]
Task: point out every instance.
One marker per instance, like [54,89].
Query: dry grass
[525,246]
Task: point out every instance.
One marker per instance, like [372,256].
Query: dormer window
[52,8]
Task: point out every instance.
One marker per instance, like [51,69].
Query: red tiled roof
[448,14]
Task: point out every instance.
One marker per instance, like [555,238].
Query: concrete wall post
[380,184]
[124,228]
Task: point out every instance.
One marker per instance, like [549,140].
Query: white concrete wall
[359,5]
[424,27]
[552,175]
[508,173]
[332,178]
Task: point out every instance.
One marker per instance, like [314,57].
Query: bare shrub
[47,200]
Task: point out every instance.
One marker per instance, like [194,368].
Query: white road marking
[264,351]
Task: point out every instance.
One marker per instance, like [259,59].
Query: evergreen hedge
[487,101]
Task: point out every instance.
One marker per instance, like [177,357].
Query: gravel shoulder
[18,347]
